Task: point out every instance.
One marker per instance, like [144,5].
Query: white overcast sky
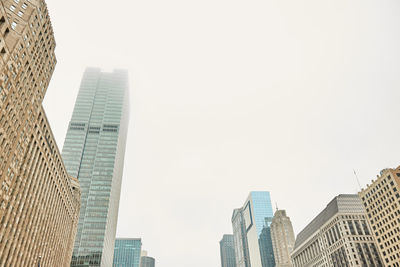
[230,96]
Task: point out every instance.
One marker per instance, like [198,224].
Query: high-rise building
[240,239]
[227,251]
[381,201]
[256,215]
[143,253]
[94,152]
[146,261]
[127,252]
[39,201]
[283,238]
[339,236]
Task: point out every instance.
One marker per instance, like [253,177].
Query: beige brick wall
[381,200]
[39,201]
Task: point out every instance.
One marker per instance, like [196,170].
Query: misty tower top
[94,152]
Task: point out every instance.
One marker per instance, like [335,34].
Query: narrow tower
[227,251]
[283,239]
[240,239]
[94,152]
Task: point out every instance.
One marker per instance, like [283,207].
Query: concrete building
[127,252]
[240,239]
[339,236]
[283,238]
[227,251]
[252,233]
[39,201]
[94,152]
[381,200]
[146,261]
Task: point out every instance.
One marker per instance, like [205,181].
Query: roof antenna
[276,204]
[358,181]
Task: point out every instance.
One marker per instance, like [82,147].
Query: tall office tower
[282,238]
[227,251]
[39,201]
[94,151]
[381,200]
[256,215]
[240,239]
[339,236]
[127,252]
[146,261]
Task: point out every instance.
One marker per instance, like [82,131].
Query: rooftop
[346,203]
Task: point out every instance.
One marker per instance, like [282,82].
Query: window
[24,6]
[13,25]
[12,8]
[16,1]
[20,13]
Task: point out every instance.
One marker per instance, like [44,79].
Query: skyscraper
[127,252]
[227,251]
[240,239]
[146,261]
[93,152]
[257,215]
[39,201]
[339,236]
[282,238]
[381,201]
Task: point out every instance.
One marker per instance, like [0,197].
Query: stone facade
[283,239]
[338,237]
[381,200]
[39,201]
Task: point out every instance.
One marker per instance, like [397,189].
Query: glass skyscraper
[257,215]
[127,252]
[93,152]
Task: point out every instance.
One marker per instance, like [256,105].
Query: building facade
[251,224]
[339,236]
[240,239]
[127,252]
[39,201]
[93,152]
[227,251]
[146,261]
[381,201]
[283,238]
[143,253]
